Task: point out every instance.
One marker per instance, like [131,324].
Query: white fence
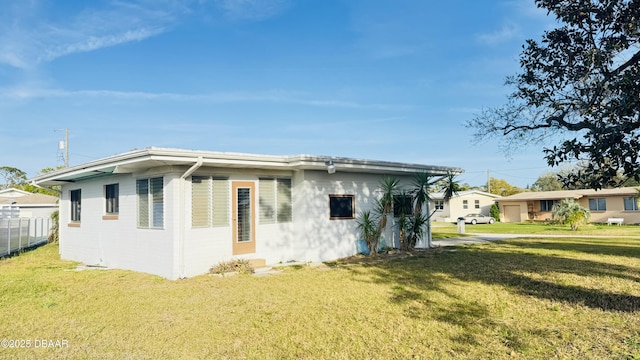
[21,233]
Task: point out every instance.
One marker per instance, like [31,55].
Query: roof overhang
[140,160]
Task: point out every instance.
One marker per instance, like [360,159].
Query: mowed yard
[575,298]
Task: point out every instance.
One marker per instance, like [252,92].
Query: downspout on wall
[182,224]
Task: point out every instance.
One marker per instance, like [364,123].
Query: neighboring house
[465,202]
[176,213]
[27,205]
[603,204]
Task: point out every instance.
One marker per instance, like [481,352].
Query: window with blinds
[209,201]
[75,205]
[631,204]
[274,200]
[150,194]
[200,203]
[111,199]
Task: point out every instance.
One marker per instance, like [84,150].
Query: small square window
[402,205]
[341,207]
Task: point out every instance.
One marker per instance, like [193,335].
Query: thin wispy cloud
[98,42]
[30,37]
[508,32]
[268,96]
[252,9]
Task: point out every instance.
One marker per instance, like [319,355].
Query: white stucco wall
[324,239]
[180,250]
[117,243]
[207,246]
[455,207]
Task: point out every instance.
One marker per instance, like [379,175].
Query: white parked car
[477,219]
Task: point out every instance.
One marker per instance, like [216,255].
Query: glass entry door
[243,218]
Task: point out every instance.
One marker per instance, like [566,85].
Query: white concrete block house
[176,213]
[463,203]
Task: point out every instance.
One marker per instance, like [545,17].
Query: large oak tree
[580,83]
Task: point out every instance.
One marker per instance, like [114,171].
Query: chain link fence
[17,234]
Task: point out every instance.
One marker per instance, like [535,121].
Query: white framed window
[631,204]
[112,204]
[598,204]
[439,204]
[274,200]
[76,200]
[209,201]
[465,204]
[476,204]
[150,194]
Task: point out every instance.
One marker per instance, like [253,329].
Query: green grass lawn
[517,299]
[441,229]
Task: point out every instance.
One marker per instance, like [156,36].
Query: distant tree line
[14,178]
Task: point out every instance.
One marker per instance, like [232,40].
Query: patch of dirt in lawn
[383,257]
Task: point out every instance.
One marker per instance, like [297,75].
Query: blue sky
[386,80]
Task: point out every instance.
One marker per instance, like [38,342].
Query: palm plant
[569,211]
[421,184]
[403,223]
[449,186]
[417,228]
[421,197]
[388,186]
[368,226]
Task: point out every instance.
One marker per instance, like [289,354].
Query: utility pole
[64,145]
[488,180]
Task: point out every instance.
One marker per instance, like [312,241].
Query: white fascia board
[138,160]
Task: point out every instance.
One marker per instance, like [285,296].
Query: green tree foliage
[569,211]
[54,233]
[502,187]
[494,211]
[547,182]
[12,177]
[578,83]
[551,180]
[17,179]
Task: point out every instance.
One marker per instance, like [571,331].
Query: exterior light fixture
[331,167]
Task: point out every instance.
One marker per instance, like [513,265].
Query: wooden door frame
[248,247]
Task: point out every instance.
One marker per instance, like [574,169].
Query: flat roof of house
[440,195]
[570,194]
[142,159]
[30,199]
